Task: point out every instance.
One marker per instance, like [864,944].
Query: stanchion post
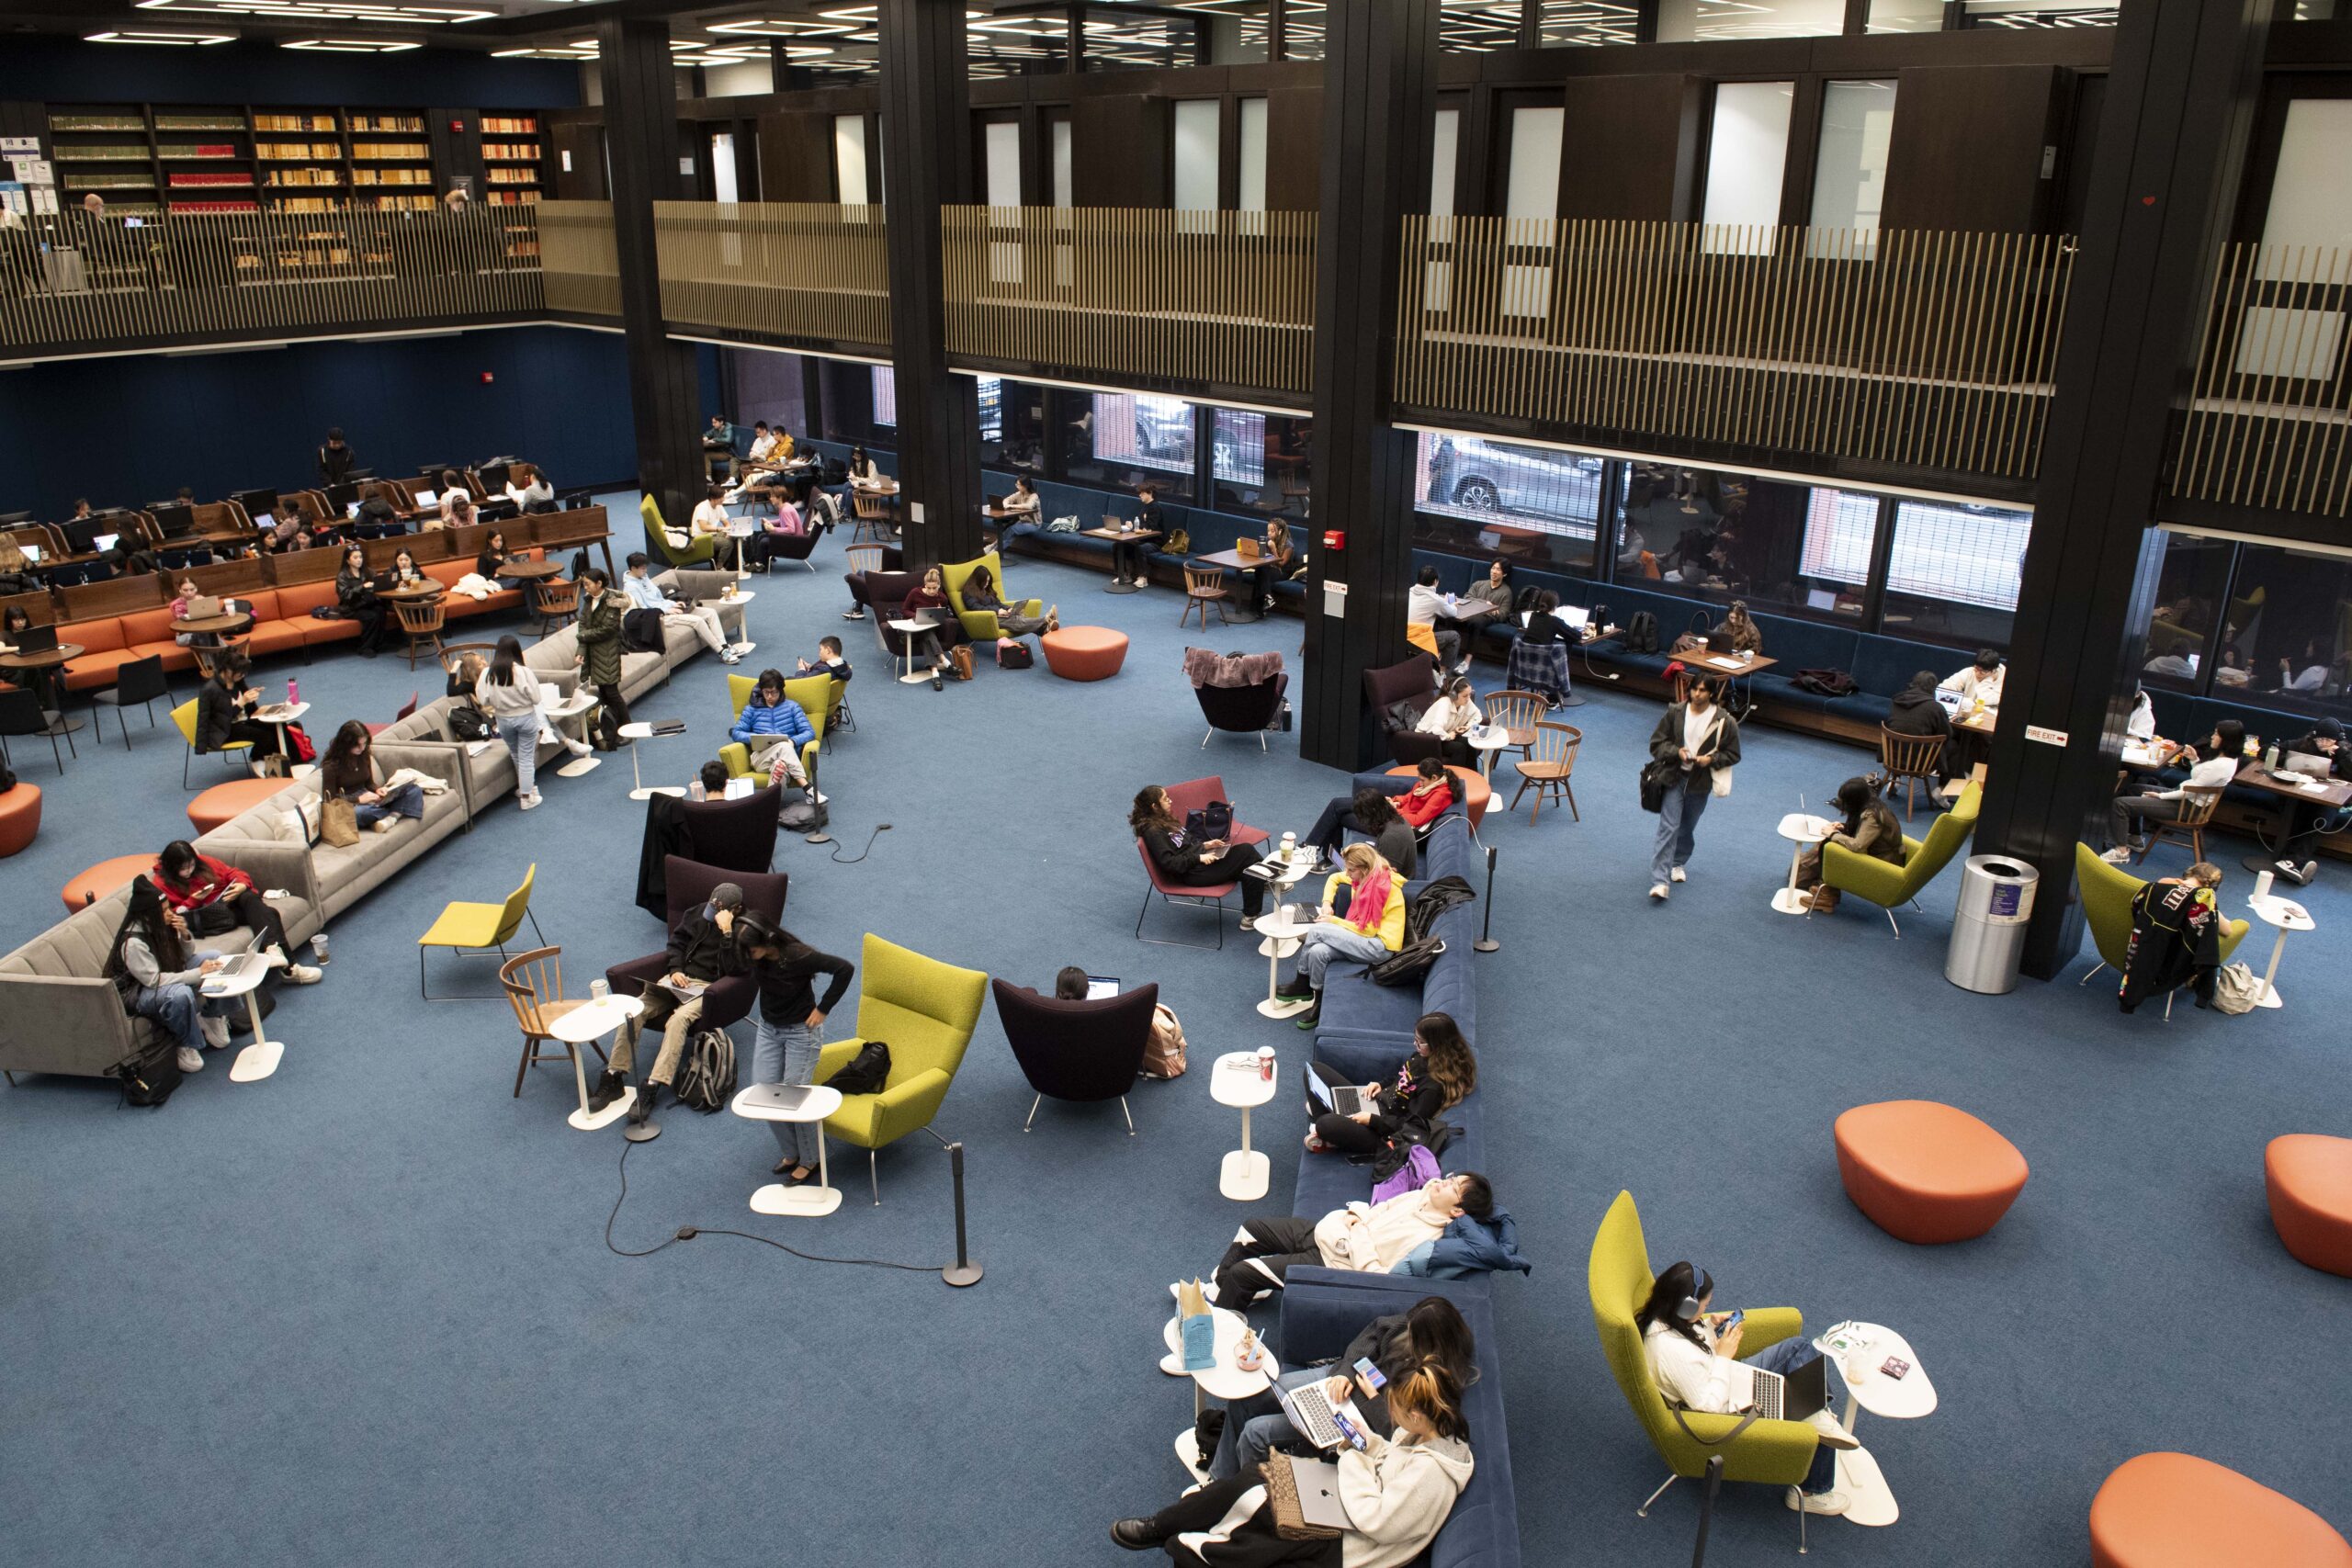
[1487,943]
[964,1271]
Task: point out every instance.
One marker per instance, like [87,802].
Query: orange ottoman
[1468,783]
[2310,1180]
[1085,653]
[2178,1511]
[104,879]
[223,803]
[1927,1173]
[19,818]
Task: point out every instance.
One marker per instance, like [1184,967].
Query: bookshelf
[106,148]
[204,158]
[303,160]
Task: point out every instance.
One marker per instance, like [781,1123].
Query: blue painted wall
[67,71]
[128,431]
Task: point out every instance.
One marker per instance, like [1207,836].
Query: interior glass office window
[1802,550]
[2189,624]
[1135,437]
[1238,30]
[1584,24]
[2039,14]
[2289,616]
[885,397]
[1013,426]
[845,400]
[1906,17]
[1303,29]
[849,158]
[1952,576]
[1479,496]
[1718,22]
[1259,463]
[1478,26]
[1850,167]
[1747,154]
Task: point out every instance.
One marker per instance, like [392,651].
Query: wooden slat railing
[1924,350]
[2269,420]
[578,258]
[69,285]
[794,271]
[1152,298]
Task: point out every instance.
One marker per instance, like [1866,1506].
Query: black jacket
[1412,1098]
[699,949]
[217,713]
[1917,713]
[1667,741]
[787,993]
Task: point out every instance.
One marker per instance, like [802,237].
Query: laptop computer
[236,967]
[1345,1099]
[1319,1492]
[103,541]
[31,552]
[1575,616]
[1307,1404]
[1247,549]
[1719,641]
[2316,766]
[36,640]
[428,498]
[787,1098]
[1796,1397]
[1101,987]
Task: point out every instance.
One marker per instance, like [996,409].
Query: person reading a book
[1693,1352]
[702,949]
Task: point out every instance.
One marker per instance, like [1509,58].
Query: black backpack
[1641,633]
[805,815]
[150,1077]
[467,722]
[1213,820]
[707,1074]
[868,1073]
[1409,963]
[1422,910]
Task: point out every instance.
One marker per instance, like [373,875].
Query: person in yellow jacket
[1371,928]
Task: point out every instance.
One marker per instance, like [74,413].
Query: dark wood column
[927,164]
[641,140]
[1379,97]
[2172,141]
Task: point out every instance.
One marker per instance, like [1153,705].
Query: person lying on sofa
[1437,1077]
[1431,1330]
[1397,1491]
[1365,1238]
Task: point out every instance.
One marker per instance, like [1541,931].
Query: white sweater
[1398,1494]
[2211,773]
[1693,1377]
[508,702]
[1387,1232]
[1446,718]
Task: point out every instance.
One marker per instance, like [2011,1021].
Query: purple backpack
[1421,1168]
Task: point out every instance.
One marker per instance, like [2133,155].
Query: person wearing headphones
[1692,1351]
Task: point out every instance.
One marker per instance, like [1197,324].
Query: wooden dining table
[42,667]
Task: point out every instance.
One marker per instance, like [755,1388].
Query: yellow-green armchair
[1775,1452]
[981,624]
[816,695]
[1886,884]
[925,1012]
[2107,894]
[696,551]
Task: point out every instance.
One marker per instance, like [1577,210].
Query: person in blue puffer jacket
[1483,1244]
[772,728]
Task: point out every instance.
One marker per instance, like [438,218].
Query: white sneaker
[743,648]
[2119,855]
[1832,1503]
[1658,891]
[577,748]
[191,1059]
[1679,874]
[728,656]
[529,802]
[215,1032]
[1832,1434]
[382,825]
[303,975]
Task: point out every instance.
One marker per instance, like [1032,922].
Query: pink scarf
[1369,902]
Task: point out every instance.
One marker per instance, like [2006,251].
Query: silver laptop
[1794,1397]
[428,498]
[1575,615]
[789,1098]
[1308,1406]
[2306,762]
[103,541]
[1345,1099]
[1319,1492]
[236,967]
[1101,987]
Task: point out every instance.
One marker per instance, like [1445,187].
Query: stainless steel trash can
[1988,928]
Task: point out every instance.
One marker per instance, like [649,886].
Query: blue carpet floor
[363,1313]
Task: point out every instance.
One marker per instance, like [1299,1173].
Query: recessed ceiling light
[351,45]
[134,35]
[320,10]
[782,27]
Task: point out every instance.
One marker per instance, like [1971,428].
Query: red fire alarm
[457,127]
[486,378]
[1335,539]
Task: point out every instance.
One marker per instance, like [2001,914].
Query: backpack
[868,1073]
[1523,601]
[1163,1057]
[149,1077]
[1012,653]
[1419,1169]
[1178,542]
[1827,683]
[1062,526]
[707,1072]
[298,745]
[1409,963]
[1213,820]
[467,722]
[805,815]
[1641,633]
[1434,899]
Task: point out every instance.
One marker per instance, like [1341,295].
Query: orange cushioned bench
[2168,1510]
[1469,786]
[1927,1173]
[224,803]
[2310,1180]
[104,879]
[1085,653]
[19,819]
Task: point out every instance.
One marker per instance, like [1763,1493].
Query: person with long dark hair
[1868,829]
[979,593]
[597,633]
[151,969]
[786,1047]
[1368,930]
[1437,1077]
[1373,814]
[1696,744]
[224,714]
[1429,1332]
[509,692]
[2131,816]
[1691,1352]
[349,771]
[213,896]
[1153,819]
[492,562]
[1363,1239]
[355,591]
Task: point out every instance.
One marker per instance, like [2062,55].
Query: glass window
[2291,619]
[1478,25]
[1907,17]
[2310,196]
[1062,164]
[846,401]
[1747,152]
[1253,196]
[1259,462]
[1013,426]
[885,397]
[1800,551]
[2017,14]
[849,158]
[1131,437]
[1303,29]
[1850,171]
[1571,23]
[1953,574]
[1481,497]
[2187,614]
[1196,150]
[1708,21]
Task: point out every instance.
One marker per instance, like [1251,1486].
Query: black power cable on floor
[688,1233]
[879,828]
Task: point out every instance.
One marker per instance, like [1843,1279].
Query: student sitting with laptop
[1695,1355]
[1373,814]
[1438,1076]
[1386,1496]
[157,975]
[702,948]
[1367,1238]
[1371,927]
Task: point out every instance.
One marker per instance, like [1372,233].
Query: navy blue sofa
[1321,1311]
[1356,1009]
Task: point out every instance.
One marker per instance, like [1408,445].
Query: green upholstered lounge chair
[925,1012]
[815,693]
[981,624]
[2107,894]
[1887,884]
[696,552]
[1775,1452]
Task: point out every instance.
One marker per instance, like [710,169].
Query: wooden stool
[223,803]
[1927,1173]
[104,879]
[19,819]
[1085,653]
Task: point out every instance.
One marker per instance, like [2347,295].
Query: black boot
[1294,989]
[608,1088]
[1313,1015]
[643,1111]
[1137,1535]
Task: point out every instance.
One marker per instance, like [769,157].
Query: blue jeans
[1678,820]
[521,733]
[1325,942]
[175,1008]
[406,801]
[1785,1358]
[1252,1426]
[786,1054]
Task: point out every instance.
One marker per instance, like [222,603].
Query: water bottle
[695,790]
[293,692]
[2270,759]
